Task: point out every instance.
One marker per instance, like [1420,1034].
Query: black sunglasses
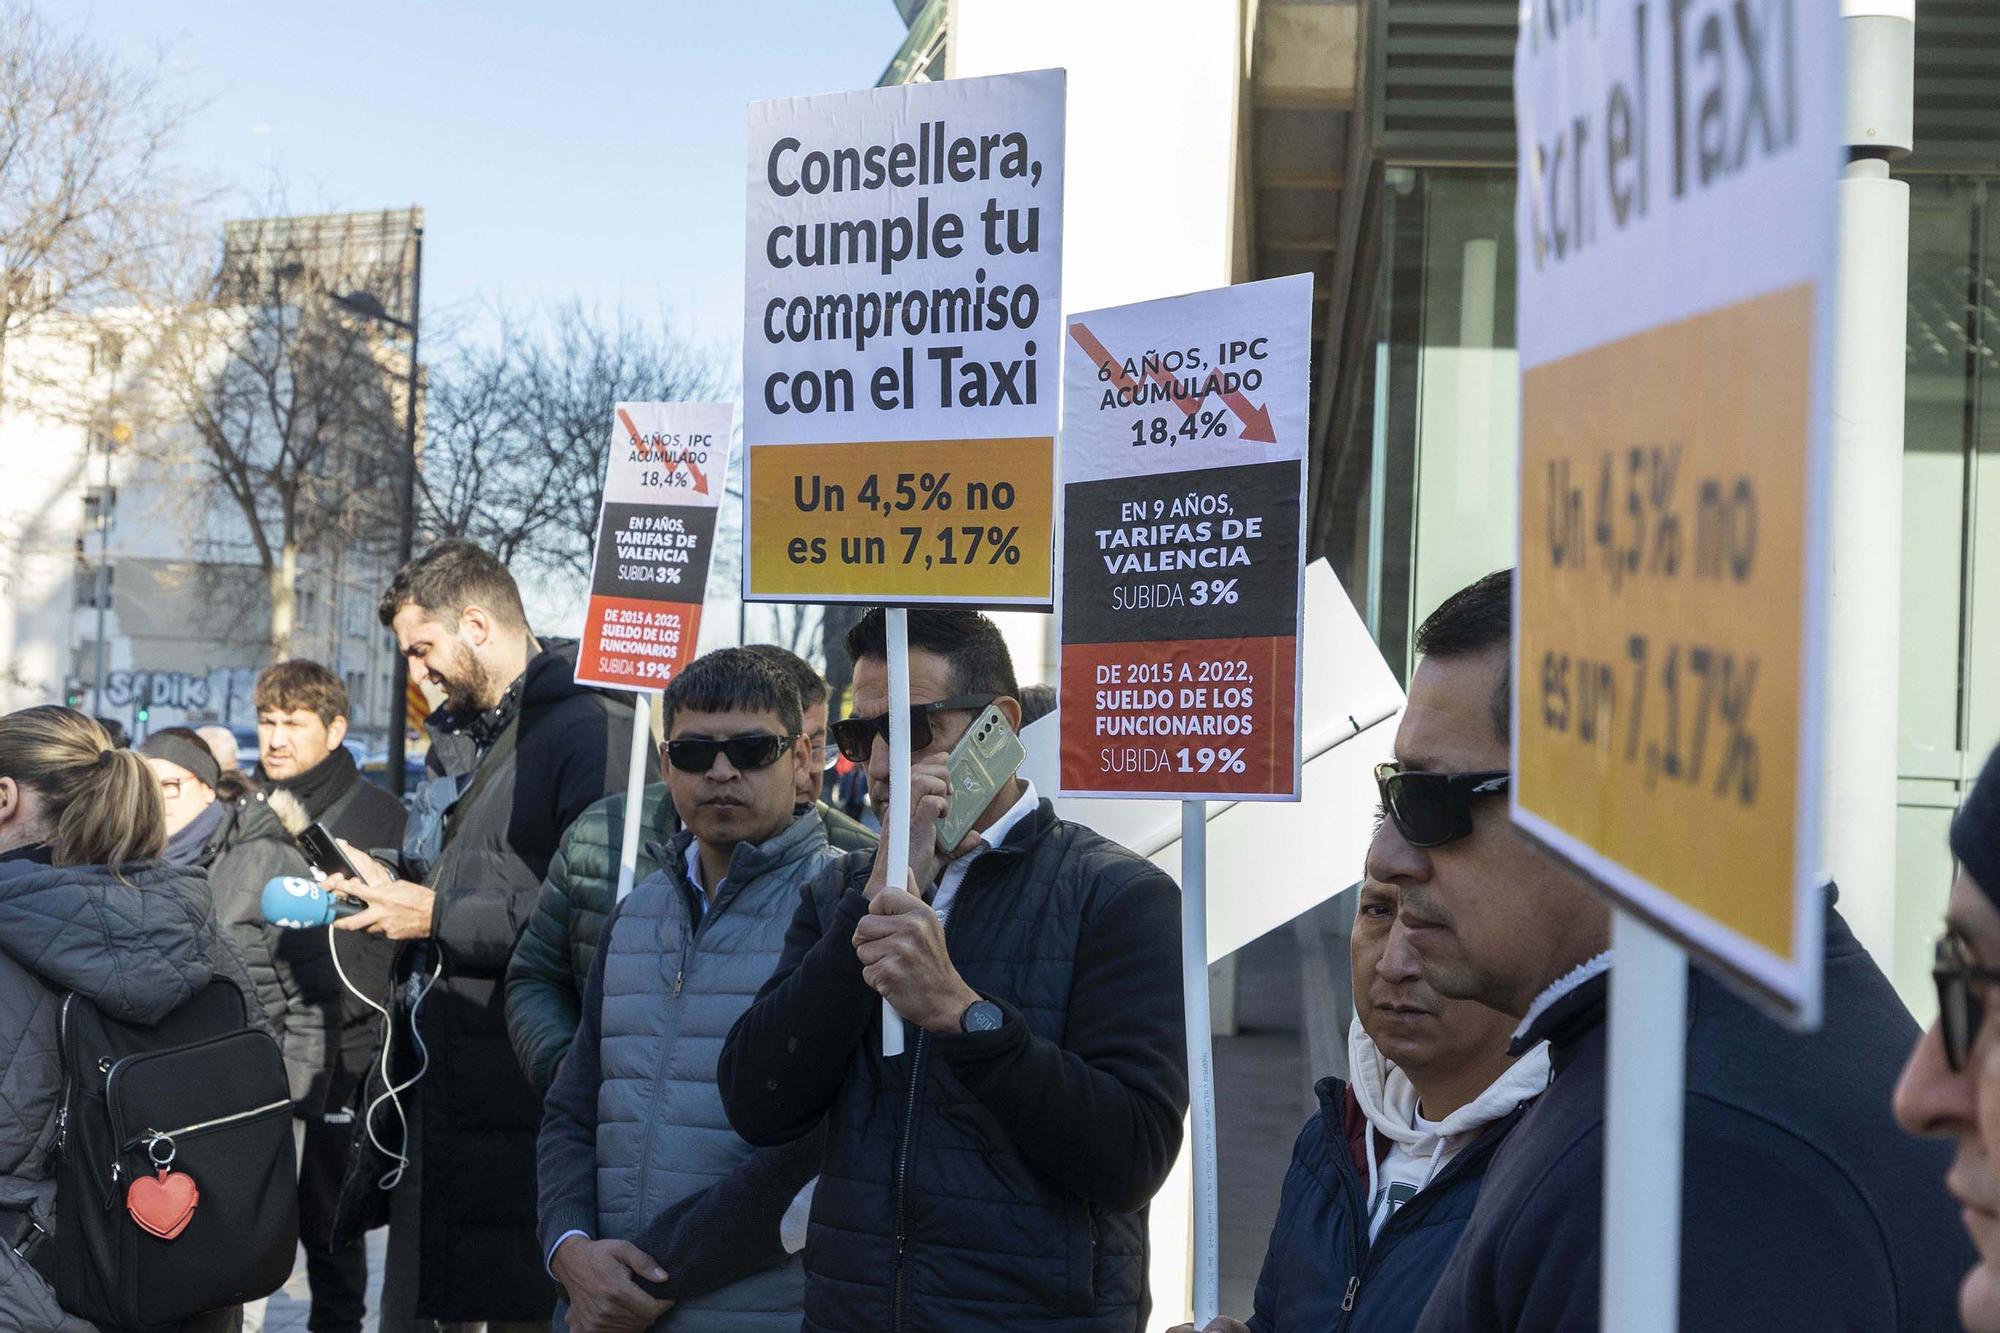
[856,735]
[1432,809]
[746,753]
[1960,1009]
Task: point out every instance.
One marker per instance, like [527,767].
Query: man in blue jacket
[1803,1206]
[1383,1178]
[653,1212]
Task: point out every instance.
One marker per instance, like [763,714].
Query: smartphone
[323,852]
[985,757]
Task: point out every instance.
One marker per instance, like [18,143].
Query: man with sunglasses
[546,975]
[995,1175]
[1951,1087]
[649,1203]
[1803,1207]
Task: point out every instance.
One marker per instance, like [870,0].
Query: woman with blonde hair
[87,906]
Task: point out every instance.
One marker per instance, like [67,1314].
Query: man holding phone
[302,712]
[996,1174]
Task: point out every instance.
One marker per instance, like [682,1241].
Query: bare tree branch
[517,434]
[282,402]
[91,206]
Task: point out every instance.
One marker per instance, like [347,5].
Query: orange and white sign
[1676,252]
[902,343]
[655,530]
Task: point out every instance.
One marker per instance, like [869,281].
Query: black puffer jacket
[479,1116]
[138,946]
[1803,1207]
[291,969]
[982,1181]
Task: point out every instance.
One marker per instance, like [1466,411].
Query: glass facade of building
[1437,508]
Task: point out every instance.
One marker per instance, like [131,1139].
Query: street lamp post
[368,305]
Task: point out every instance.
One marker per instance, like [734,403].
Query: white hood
[1389,1101]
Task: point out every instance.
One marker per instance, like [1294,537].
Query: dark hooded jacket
[1322,1274]
[138,947]
[504,786]
[1803,1207]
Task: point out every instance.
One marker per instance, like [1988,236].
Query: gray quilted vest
[673,987]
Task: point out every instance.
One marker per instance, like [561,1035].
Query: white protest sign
[902,320]
[1676,225]
[1183,549]
[663,481]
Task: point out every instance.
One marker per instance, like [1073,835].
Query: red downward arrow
[646,451]
[1256,420]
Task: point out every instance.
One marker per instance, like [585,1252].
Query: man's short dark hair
[968,641]
[1477,618]
[301,684]
[451,576]
[810,685]
[731,680]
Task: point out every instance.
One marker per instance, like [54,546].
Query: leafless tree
[517,433]
[91,205]
[284,405]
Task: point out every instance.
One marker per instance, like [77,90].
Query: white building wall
[170,537]
[1150,159]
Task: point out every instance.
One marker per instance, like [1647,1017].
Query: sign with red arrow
[1183,547]
[654,530]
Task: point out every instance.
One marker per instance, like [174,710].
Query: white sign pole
[896,831]
[635,790]
[1200,1058]
[1647,1073]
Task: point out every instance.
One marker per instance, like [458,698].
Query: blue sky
[563,148]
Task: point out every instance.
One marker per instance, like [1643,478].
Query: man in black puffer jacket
[996,1175]
[518,751]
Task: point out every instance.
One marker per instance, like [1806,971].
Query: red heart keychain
[162,1204]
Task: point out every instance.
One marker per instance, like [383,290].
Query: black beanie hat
[1975,830]
[178,745]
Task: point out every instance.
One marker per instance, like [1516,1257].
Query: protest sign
[1183,550]
[662,482]
[902,310]
[1676,227]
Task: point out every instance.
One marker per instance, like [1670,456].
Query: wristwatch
[981,1016]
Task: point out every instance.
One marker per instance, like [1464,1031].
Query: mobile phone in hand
[323,852]
[986,756]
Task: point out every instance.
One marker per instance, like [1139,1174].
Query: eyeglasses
[746,753]
[170,788]
[1961,1009]
[855,736]
[1432,809]
[824,755]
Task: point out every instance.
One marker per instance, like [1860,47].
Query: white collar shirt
[955,871]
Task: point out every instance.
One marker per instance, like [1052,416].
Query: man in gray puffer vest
[653,1210]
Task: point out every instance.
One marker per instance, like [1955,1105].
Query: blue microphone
[292,903]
